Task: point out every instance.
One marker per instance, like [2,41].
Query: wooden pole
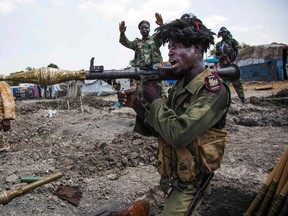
[262,192]
[284,210]
[279,201]
[273,187]
[81,103]
[283,180]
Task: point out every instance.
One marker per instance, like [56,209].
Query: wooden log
[262,192]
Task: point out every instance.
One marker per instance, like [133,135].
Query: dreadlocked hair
[188,30]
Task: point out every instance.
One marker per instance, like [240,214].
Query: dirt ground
[97,151]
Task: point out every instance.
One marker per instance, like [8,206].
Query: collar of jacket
[196,82]
[148,38]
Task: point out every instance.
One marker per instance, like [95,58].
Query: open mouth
[172,62]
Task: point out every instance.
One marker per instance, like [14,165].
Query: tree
[29,68]
[53,65]
[243,45]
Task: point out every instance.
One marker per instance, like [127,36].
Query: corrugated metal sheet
[269,70]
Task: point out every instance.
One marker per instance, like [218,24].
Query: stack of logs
[271,199]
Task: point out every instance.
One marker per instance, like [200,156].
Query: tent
[210,62]
[97,88]
[263,62]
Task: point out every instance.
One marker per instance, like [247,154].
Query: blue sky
[35,33]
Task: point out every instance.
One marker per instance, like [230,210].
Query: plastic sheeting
[74,88]
[97,88]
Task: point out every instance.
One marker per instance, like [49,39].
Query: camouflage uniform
[226,52]
[147,52]
[147,55]
[7,112]
[190,127]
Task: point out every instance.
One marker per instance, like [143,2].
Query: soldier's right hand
[127,98]
[122,27]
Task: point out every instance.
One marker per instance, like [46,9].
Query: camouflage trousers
[181,197]
[239,89]
[238,86]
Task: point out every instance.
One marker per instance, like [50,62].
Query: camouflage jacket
[147,52]
[190,127]
[188,112]
[7,104]
[229,48]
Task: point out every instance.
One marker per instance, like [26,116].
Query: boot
[243,100]
[5,147]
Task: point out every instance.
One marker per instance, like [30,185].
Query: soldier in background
[7,113]
[147,51]
[226,53]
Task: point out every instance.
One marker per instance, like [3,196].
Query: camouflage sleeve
[158,41]
[218,51]
[125,42]
[8,102]
[235,44]
[200,116]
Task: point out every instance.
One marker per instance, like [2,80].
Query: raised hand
[122,27]
[159,20]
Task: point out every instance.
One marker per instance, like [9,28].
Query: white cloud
[109,9]
[259,27]
[87,5]
[58,2]
[132,11]
[215,21]
[7,6]
[22,1]
[245,28]
[241,28]
[167,8]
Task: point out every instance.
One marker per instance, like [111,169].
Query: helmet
[222,30]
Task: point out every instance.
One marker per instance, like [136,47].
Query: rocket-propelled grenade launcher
[49,76]
[7,196]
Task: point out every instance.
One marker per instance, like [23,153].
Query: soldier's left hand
[159,20]
[6,125]
[127,98]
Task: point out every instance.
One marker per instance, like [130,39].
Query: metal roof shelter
[263,62]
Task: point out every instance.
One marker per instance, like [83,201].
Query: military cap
[143,22]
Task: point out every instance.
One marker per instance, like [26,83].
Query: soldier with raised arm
[147,54]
